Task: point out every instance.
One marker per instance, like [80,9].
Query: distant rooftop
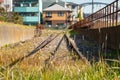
[47,3]
[56,7]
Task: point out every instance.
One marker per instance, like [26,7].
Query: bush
[17,19]
[2,18]
[10,17]
[2,10]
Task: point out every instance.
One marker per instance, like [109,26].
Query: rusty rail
[75,49]
[42,45]
[103,18]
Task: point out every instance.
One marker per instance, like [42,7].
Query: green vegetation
[98,71]
[10,17]
[17,18]
[2,14]
[9,24]
[61,68]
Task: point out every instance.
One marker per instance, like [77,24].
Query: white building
[7,5]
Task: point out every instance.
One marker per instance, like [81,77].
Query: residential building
[30,10]
[56,15]
[7,5]
[76,11]
[76,8]
[47,3]
[1,1]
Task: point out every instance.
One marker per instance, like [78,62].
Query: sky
[88,9]
[83,1]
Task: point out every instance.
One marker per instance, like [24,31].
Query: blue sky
[88,9]
[83,1]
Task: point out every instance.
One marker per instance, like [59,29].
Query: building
[7,5]
[30,10]
[47,3]
[1,1]
[76,10]
[56,15]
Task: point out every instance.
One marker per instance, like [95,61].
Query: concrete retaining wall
[13,34]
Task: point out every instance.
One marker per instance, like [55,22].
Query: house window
[60,24]
[60,13]
[48,14]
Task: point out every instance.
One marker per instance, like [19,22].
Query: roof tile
[56,7]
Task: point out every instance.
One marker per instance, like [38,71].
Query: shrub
[2,10]
[2,18]
[17,18]
[10,17]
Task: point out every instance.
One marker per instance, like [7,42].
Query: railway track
[51,57]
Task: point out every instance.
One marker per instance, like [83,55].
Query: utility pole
[92,6]
[11,5]
[40,10]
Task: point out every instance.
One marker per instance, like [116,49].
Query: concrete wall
[13,34]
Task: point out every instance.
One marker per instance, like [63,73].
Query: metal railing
[105,17]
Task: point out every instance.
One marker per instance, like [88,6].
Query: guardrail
[105,17]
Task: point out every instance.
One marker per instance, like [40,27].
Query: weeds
[98,71]
[65,66]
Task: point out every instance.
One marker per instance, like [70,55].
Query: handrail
[105,17]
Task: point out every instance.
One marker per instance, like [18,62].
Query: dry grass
[62,67]
[14,25]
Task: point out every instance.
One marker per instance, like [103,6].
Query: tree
[2,14]
[17,18]
[80,16]
[10,17]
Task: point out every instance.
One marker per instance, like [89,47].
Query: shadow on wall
[94,43]
[10,35]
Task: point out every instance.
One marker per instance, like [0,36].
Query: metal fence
[109,16]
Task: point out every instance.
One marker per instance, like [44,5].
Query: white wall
[7,2]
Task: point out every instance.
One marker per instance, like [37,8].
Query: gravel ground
[10,53]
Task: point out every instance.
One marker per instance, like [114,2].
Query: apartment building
[30,10]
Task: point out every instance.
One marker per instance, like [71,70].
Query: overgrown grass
[59,69]
[98,71]
[8,24]
[47,32]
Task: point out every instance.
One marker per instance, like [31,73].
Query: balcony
[31,19]
[26,9]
